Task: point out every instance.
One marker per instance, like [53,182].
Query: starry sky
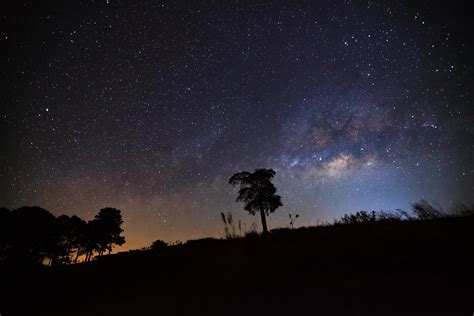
[150,107]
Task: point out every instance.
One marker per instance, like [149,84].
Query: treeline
[34,234]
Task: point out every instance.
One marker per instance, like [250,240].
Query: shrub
[158,245]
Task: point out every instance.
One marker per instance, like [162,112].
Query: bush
[158,245]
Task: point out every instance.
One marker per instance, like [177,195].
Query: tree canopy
[34,234]
[257,192]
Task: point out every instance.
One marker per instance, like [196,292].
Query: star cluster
[151,106]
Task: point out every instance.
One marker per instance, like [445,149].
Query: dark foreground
[399,268]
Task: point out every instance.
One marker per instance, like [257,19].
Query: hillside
[380,268]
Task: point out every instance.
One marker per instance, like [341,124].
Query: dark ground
[393,268]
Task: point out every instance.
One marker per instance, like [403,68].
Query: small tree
[293,219]
[257,192]
[158,245]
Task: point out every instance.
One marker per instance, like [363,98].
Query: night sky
[151,106]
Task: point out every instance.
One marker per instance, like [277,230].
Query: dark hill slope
[381,268]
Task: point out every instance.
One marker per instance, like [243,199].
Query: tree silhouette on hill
[109,221]
[33,234]
[257,192]
[77,236]
[158,245]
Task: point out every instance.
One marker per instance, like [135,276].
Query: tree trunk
[77,256]
[264,220]
[88,256]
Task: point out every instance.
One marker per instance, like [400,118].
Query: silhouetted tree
[97,235]
[78,231]
[70,238]
[293,219]
[108,229]
[158,245]
[91,239]
[257,192]
[96,238]
[32,233]
[57,249]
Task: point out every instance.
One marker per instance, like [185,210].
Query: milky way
[150,107]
